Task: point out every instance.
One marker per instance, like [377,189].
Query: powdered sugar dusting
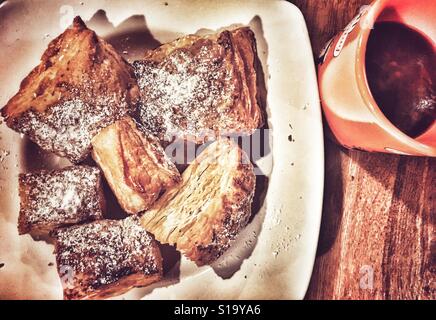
[67,128]
[103,252]
[58,198]
[186,93]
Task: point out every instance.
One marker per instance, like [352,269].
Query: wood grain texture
[377,237]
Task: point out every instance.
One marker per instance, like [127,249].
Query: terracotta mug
[349,107]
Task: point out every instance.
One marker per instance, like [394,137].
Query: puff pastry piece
[54,199]
[106,258]
[201,86]
[212,204]
[134,164]
[80,86]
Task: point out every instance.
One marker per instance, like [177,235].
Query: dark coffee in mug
[400,69]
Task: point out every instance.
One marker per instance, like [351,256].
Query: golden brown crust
[134,164]
[80,86]
[198,86]
[106,258]
[54,199]
[213,203]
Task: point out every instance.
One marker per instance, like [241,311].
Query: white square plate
[273,257]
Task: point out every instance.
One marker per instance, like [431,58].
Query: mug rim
[373,13]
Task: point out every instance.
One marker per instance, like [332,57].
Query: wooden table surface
[377,237]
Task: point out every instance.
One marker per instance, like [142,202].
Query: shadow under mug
[349,107]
